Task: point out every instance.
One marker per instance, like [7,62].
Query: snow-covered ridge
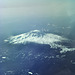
[36,36]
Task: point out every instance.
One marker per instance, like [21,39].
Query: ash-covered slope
[39,37]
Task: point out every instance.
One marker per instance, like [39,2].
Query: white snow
[36,37]
[3,57]
[30,72]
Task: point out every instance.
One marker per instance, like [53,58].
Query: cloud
[35,36]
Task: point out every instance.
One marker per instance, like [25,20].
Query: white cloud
[36,36]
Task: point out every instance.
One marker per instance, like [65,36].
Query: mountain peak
[35,36]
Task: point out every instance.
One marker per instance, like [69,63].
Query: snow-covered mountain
[36,36]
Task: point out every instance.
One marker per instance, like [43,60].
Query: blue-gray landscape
[37,37]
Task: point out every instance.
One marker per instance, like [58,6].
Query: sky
[29,3]
[18,11]
[40,7]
